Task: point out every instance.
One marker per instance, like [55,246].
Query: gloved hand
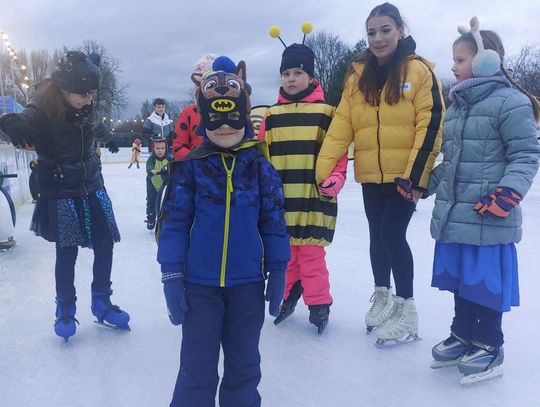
[405,188]
[332,185]
[275,287]
[499,203]
[19,132]
[112,146]
[175,296]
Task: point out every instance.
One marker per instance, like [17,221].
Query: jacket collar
[474,89]
[312,94]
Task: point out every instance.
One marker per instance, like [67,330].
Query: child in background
[33,182]
[220,233]
[186,139]
[294,129]
[135,153]
[156,164]
[490,160]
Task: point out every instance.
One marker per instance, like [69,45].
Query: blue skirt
[80,221]
[485,275]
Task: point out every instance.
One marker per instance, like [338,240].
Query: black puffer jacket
[68,164]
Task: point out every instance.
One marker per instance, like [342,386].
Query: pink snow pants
[307,264]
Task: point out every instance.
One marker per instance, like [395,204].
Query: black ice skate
[447,353]
[318,316]
[288,306]
[150,222]
[481,362]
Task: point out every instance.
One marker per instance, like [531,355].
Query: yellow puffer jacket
[400,140]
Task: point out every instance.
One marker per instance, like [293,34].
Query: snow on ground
[102,367]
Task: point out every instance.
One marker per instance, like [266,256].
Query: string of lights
[15,63]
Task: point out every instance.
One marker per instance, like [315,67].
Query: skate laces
[396,316]
[378,301]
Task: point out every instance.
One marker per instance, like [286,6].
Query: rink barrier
[15,161]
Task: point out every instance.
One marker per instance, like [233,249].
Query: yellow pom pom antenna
[274,32]
[307,27]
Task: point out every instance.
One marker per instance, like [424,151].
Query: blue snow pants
[233,318]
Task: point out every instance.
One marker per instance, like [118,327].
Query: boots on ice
[402,326]
[288,305]
[318,316]
[106,313]
[447,353]
[381,308]
[64,326]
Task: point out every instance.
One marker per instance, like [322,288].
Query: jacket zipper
[82,160]
[227,217]
[379,145]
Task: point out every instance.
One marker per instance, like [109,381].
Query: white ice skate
[480,363]
[401,327]
[381,308]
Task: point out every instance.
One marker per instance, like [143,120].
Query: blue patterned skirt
[79,221]
[485,275]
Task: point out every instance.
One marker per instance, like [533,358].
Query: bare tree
[146,109]
[526,68]
[328,49]
[40,65]
[112,96]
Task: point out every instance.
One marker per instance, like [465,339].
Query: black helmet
[77,73]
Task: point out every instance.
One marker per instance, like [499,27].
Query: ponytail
[532,98]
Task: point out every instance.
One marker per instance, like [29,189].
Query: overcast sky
[158,43]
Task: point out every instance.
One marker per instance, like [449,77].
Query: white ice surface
[101,367]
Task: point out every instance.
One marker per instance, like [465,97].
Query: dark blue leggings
[65,268]
[478,323]
[388,215]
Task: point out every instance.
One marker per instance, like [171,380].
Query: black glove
[19,132]
[112,146]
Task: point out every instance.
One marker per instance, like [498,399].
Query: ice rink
[341,368]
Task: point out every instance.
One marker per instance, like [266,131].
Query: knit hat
[77,72]
[204,63]
[298,56]
[223,97]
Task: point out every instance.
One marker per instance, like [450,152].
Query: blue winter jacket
[489,140]
[223,219]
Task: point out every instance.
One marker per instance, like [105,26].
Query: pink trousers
[308,265]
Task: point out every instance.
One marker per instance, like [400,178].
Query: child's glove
[332,185]
[499,203]
[20,134]
[175,296]
[112,146]
[274,291]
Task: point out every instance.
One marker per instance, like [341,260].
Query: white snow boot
[402,326]
[381,308]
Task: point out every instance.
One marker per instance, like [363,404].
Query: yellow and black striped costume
[294,133]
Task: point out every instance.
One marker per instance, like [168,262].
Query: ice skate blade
[481,377]
[440,364]
[114,327]
[322,327]
[388,343]
[282,317]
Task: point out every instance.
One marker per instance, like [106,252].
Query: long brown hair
[397,68]
[50,100]
[492,41]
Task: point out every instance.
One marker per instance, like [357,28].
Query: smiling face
[383,37]
[463,56]
[225,136]
[295,80]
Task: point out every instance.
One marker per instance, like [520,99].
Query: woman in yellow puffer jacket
[392,109]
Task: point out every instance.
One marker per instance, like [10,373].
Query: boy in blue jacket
[220,233]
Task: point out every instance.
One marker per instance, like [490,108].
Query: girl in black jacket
[73,208]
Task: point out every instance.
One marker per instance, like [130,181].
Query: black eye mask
[217,111]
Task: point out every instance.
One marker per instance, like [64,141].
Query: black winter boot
[288,305]
[318,316]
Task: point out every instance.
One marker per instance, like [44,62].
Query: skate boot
[381,308]
[318,316]
[138,166]
[64,326]
[130,165]
[448,352]
[481,362]
[107,314]
[288,305]
[150,221]
[401,327]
